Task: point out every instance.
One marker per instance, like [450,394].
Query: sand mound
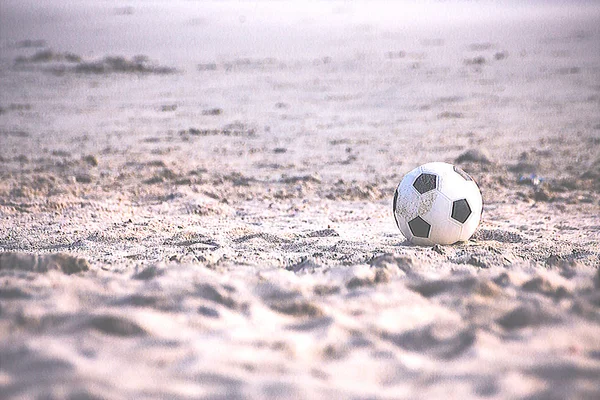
[64,263]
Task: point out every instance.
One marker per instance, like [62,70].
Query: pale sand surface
[215,221]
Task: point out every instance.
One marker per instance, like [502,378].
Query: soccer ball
[437,203]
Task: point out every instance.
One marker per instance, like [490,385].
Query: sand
[195,200]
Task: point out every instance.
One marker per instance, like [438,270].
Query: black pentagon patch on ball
[462,173]
[425,182]
[419,227]
[461,210]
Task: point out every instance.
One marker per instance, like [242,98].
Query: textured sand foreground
[195,200]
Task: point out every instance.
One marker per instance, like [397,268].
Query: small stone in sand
[90,160]
[501,55]
[480,156]
[83,178]
[212,111]
[475,61]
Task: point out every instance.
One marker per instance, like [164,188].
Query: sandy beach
[196,199]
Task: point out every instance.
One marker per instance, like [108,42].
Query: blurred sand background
[195,199]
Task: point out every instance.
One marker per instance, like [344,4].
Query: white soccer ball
[437,203]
